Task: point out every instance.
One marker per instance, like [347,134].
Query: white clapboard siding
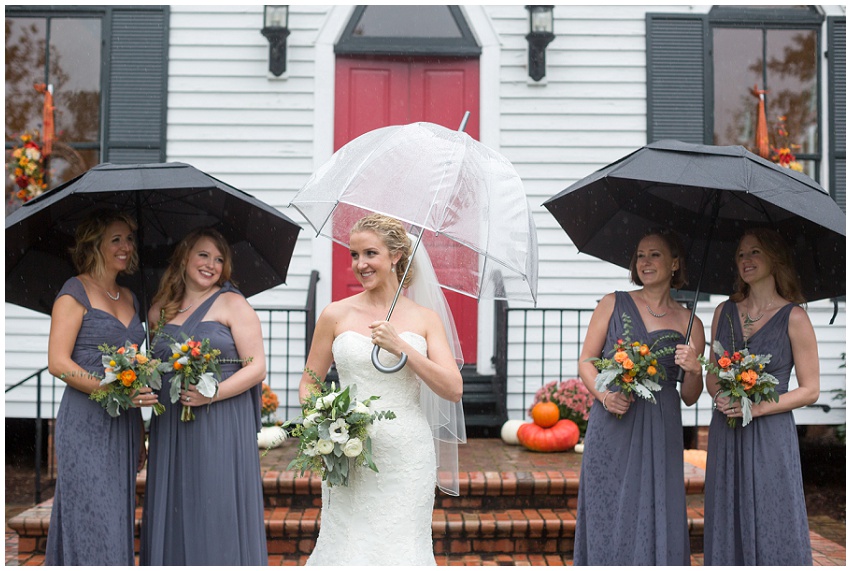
[230,118]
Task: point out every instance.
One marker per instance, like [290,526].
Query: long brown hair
[786,280]
[86,254]
[393,234]
[173,283]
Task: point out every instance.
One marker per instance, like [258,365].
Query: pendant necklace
[654,314]
[749,319]
[117,295]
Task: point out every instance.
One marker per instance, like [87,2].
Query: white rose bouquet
[332,433]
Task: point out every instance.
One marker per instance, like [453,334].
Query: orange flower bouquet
[126,371]
[26,168]
[193,363]
[268,406]
[742,377]
[634,366]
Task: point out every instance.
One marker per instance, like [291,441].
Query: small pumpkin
[545,414]
[560,437]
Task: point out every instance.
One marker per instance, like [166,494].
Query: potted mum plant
[572,398]
[271,435]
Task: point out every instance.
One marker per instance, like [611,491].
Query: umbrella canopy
[465,200]
[710,195]
[168,200]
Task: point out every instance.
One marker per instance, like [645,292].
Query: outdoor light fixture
[276,30]
[540,34]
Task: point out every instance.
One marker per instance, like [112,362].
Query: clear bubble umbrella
[464,202]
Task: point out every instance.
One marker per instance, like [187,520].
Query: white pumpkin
[270,437]
[509,431]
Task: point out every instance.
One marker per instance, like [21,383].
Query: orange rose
[195,352]
[621,356]
[141,359]
[127,377]
[644,350]
[628,364]
[651,370]
[628,379]
[724,362]
[120,351]
[749,379]
[177,365]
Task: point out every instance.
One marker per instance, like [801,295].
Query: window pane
[25,41]
[407,22]
[75,55]
[737,66]
[793,95]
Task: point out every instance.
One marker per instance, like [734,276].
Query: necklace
[117,295]
[187,308]
[749,319]
[654,314]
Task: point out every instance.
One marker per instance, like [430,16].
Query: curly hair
[173,283]
[394,236]
[786,280]
[90,234]
[672,240]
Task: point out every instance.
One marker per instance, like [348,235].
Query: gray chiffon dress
[203,493]
[92,519]
[632,508]
[755,512]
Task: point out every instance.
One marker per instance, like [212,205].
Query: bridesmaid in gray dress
[203,493]
[755,513]
[91,522]
[632,508]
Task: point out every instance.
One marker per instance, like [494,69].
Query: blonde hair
[394,236]
[672,241]
[90,234]
[173,283]
[786,280]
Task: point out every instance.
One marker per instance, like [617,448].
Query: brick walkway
[488,468]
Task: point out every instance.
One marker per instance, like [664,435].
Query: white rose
[326,401]
[353,448]
[310,450]
[311,419]
[324,447]
[361,408]
[339,431]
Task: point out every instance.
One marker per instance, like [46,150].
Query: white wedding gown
[382,518]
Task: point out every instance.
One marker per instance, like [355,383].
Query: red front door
[374,92]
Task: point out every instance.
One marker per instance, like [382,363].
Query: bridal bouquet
[742,377]
[126,371]
[634,366]
[332,433]
[193,363]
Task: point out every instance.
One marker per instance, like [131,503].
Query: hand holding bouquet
[126,371]
[742,378]
[332,432]
[634,366]
[193,363]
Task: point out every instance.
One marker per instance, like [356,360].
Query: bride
[385,518]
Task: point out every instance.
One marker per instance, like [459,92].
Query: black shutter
[137,74]
[836,103]
[678,78]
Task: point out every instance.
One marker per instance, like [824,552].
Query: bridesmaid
[755,509]
[203,494]
[92,519]
[632,507]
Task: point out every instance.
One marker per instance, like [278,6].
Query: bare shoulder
[799,317]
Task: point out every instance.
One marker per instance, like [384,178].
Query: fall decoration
[545,414]
[560,437]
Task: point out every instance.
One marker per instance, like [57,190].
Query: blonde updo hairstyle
[90,234]
[786,280]
[173,283]
[395,238]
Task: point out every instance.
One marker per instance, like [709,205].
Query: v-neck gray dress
[92,519]
[755,512]
[203,492]
[632,507]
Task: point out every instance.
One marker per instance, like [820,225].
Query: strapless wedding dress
[382,518]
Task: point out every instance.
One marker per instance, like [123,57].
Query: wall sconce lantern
[540,34]
[276,30]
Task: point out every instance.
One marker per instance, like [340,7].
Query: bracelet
[605,396]
[715,399]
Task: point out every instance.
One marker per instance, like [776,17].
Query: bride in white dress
[385,518]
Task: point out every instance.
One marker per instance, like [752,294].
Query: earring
[393,268]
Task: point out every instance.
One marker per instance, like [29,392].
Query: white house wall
[265,135]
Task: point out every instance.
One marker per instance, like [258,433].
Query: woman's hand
[384,335]
[729,408]
[145,397]
[616,402]
[191,397]
[685,358]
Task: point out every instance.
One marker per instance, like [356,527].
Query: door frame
[323,123]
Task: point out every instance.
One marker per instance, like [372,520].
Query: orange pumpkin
[564,435]
[545,414]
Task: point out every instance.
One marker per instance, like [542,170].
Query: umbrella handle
[382,368]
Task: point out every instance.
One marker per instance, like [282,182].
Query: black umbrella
[168,200]
[709,195]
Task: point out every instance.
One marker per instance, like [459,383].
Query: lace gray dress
[203,493]
[92,519]
[382,518]
[632,507]
[755,512]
